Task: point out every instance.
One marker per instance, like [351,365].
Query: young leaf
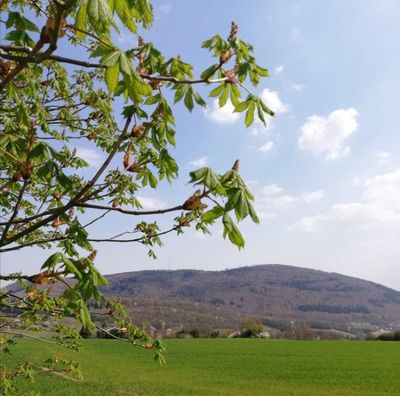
[217,91]
[212,214]
[250,114]
[188,100]
[111,58]
[80,21]
[224,97]
[111,77]
[124,64]
[242,106]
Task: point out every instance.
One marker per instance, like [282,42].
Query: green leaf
[125,64]
[209,72]
[111,77]
[179,93]
[124,14]
[212,214]
[97,14]
[217,91]
[261,114]
[232,231]
[69,265]
[242,106]
[224,97]
[189,100]
[208,178]
[81,19]
[235,94]
[111,58]
[199,100]
[52,261]
[84,315]
[261,71]
[266,108]
[253,213]
[250,114]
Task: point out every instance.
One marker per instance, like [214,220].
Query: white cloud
[271,198]
[150,203]
[273,101]
[313,196]
[199,162]
[279,69]
[382,157]
[327,136]
[378,208]
[266,206]
[268,146]
[298,87]
[91,156]
[270,189]
[221,115]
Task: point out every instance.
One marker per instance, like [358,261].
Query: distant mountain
[280,295]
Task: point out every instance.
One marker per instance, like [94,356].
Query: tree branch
[77,62]
[78,196]
[27,336]
[130,212]
[15,212]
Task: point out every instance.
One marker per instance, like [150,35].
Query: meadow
[211,367]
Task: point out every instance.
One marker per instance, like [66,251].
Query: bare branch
[15,212]
[130,212]
[27,336]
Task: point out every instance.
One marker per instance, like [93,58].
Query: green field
[225,367]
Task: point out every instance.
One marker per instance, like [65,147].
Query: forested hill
[279,294]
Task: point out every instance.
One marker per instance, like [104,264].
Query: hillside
[281,295]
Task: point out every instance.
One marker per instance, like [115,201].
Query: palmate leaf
[100,16]
[145,12]
[231,230]
[111,58]
[211,215]
[208,178]
[125,15]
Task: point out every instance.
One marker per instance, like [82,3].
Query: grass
[224,367]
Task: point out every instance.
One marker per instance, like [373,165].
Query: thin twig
[27,336]
[15,212]
[130,212]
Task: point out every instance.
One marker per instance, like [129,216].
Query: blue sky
[325,173]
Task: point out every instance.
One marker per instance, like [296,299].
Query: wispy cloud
[379,207]
[314,196]
[382,157]
[199,162]
[92,156]
[268,146]
[151,203]
[297,87]
[279,69]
